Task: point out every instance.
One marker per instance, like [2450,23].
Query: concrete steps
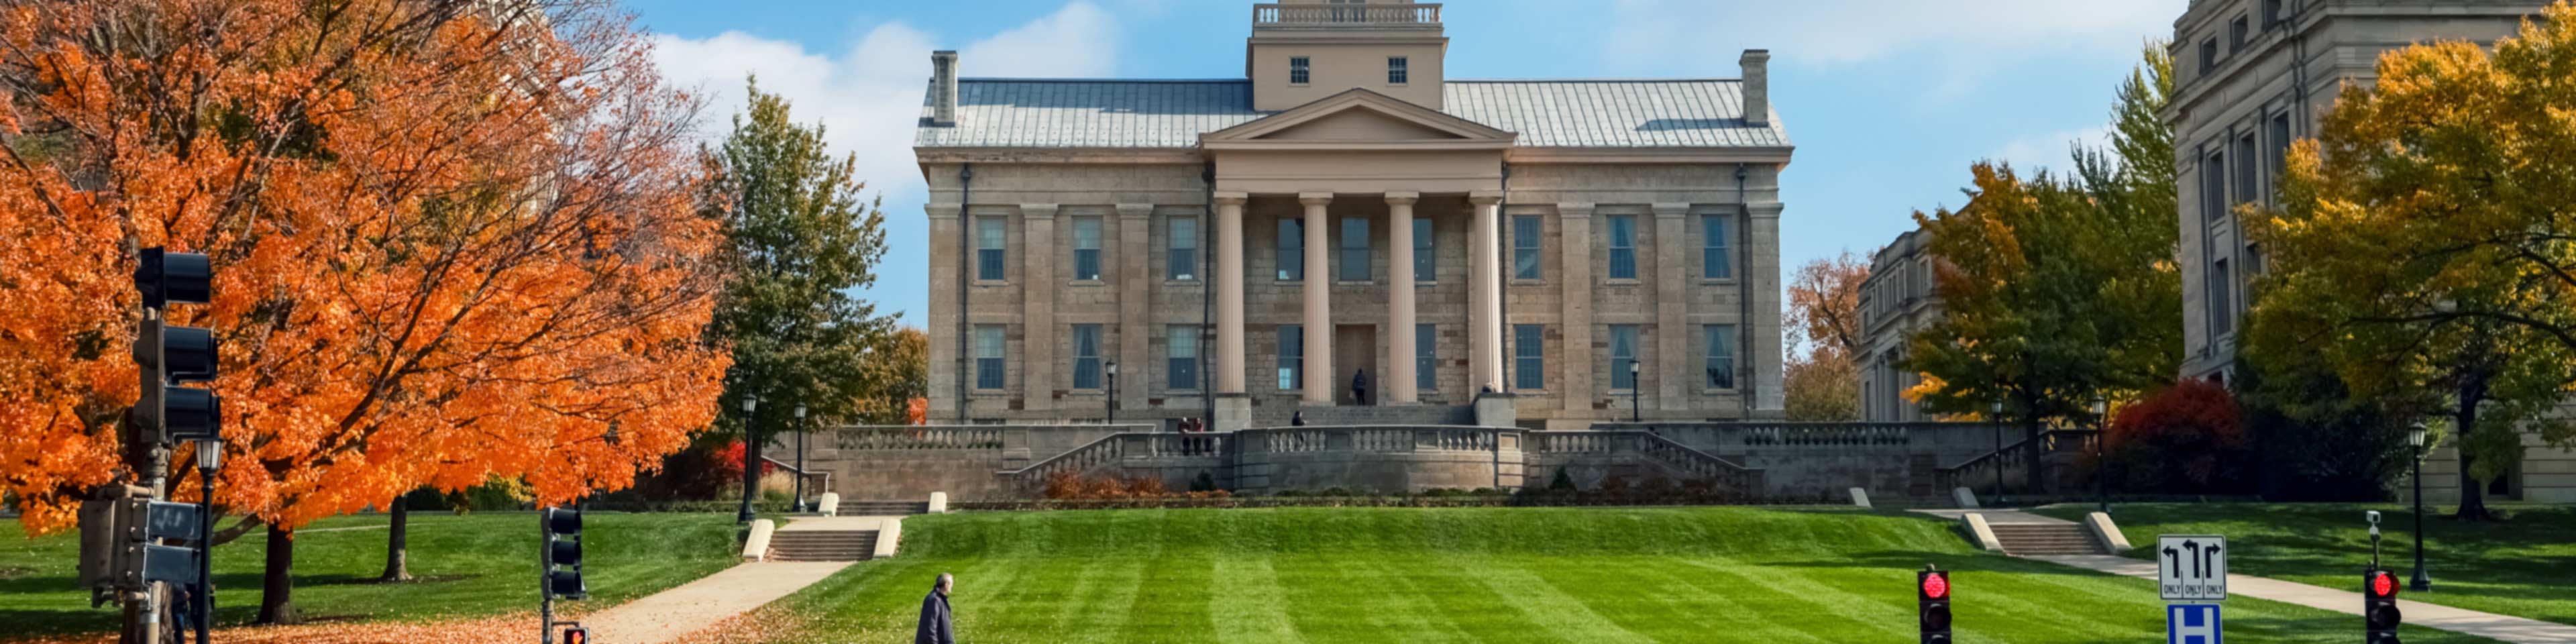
[2046,539]
[883,508]
[1279,415]
[822,545]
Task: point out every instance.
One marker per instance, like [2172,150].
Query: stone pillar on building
[1574,249]
[1038,286]
[1673,363]
[1233,407]
[1133,262]
[1398,382]
[1484,293]
[1762,333]
[947,271]
[1318,283]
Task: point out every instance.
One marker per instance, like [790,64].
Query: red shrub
[2185,439]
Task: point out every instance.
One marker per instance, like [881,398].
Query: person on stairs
[935,626]
[1359,387]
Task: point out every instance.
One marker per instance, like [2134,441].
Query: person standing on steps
[1359,387]
[935,626]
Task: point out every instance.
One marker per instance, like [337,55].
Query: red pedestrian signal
[2380,616]
[1932,605]
[1936,585]
[576,635]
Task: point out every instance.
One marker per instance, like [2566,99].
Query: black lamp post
[800,458]
[1636,410]
[2101,451]
[2423,580]
[1998,457]
[210,459]
[1112,403]
[750,460]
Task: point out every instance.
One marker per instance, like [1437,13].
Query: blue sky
[1888,101]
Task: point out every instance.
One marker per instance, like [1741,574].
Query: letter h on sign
[2191,624]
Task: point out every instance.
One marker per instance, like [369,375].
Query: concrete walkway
[694,606]
[2457,620]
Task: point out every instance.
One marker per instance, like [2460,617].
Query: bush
[2188,438]
[2314,441]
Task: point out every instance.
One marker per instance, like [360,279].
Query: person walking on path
[935,626]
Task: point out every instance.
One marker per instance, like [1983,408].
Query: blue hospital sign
[2191,624]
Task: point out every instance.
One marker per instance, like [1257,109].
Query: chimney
[943,87]
[1757,87]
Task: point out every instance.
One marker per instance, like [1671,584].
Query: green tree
[2056,291]
[2423,246]
[802,241]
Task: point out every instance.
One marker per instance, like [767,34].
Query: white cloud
[2052,151]
[1850,31]
[868,97]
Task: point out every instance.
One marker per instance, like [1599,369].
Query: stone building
[2252,76]
[1240,248]
[1896,301]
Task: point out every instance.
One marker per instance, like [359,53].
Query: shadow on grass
[1915,560]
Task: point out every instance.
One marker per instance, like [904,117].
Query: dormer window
[1395,70]
[1297,70]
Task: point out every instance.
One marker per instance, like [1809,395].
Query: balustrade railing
[1837,434]
[925,437]
[1355,15]
[1369,439]
[1690,462]
[2014,457]
[1108,449]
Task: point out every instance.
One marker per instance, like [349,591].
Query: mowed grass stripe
[1248,605]
[1475,612]
[1566,615]
[1861,602]
[1172,601]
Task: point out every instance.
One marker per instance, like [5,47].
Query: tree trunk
[396,542]
[2473,504]
[275,587]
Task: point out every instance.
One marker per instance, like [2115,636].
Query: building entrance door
[1354,351]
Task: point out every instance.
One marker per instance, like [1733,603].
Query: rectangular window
[1292,357]
[2237,34]
[1426,357]
[1529,357]
[1086,356]
[1181,356]
[989,239]
[1426,260]
[1183,261]
[1918,280]
[1292,250]
[1721,356]
[2248,173]
[2222,299]
[2209,55]
[1714,262]
[1355,250]
[1297,70]
[1525,239]
[1395,70]
[1086,248]
[2279,130]
[2272,15]
[1623,353]
[988,356]
[2213,188]
[1623,247]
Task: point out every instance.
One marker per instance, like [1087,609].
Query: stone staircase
[822,545]
[1279,415]
[2046,539]
[850,508]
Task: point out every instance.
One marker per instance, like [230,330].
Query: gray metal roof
[1053,113]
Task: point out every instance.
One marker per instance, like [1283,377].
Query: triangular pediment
[1358,117]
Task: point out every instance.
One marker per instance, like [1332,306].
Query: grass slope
[1489,575]
[474,565]
[2524,566]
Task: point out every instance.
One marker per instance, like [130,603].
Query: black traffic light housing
[1932,604]
[175,354]
[563,554]
[576,635]
[166,277]
[2379,612]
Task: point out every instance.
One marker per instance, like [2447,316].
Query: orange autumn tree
[454,240]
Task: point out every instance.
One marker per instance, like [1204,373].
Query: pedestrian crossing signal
[2379,607]
[576,635]
[1932,605]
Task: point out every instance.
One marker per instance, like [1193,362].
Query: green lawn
[1489,575]
[2524,566]
[475,565]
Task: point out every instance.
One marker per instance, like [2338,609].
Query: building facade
[1240,249]
[1897,300]
[2251,77]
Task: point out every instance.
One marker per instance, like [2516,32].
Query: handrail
[2016,446]
[2012,454]
[1689,460]
[827,474]
[1113,448]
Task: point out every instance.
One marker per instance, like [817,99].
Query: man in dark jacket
[935,627]
[1359,387]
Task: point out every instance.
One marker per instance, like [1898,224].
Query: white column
[1399,371]
[1319,300]
[1229,293]
[1485,294]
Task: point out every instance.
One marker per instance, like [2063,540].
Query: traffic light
[2379,607]
[576,635]
[175,354]
[1932,605]
[563,555]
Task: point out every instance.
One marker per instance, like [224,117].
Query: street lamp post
[1636,410]
[750,460]
[1997,460]
[2423,580]
[800,458]
[210,459]
[2101,451]
[1112,404]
